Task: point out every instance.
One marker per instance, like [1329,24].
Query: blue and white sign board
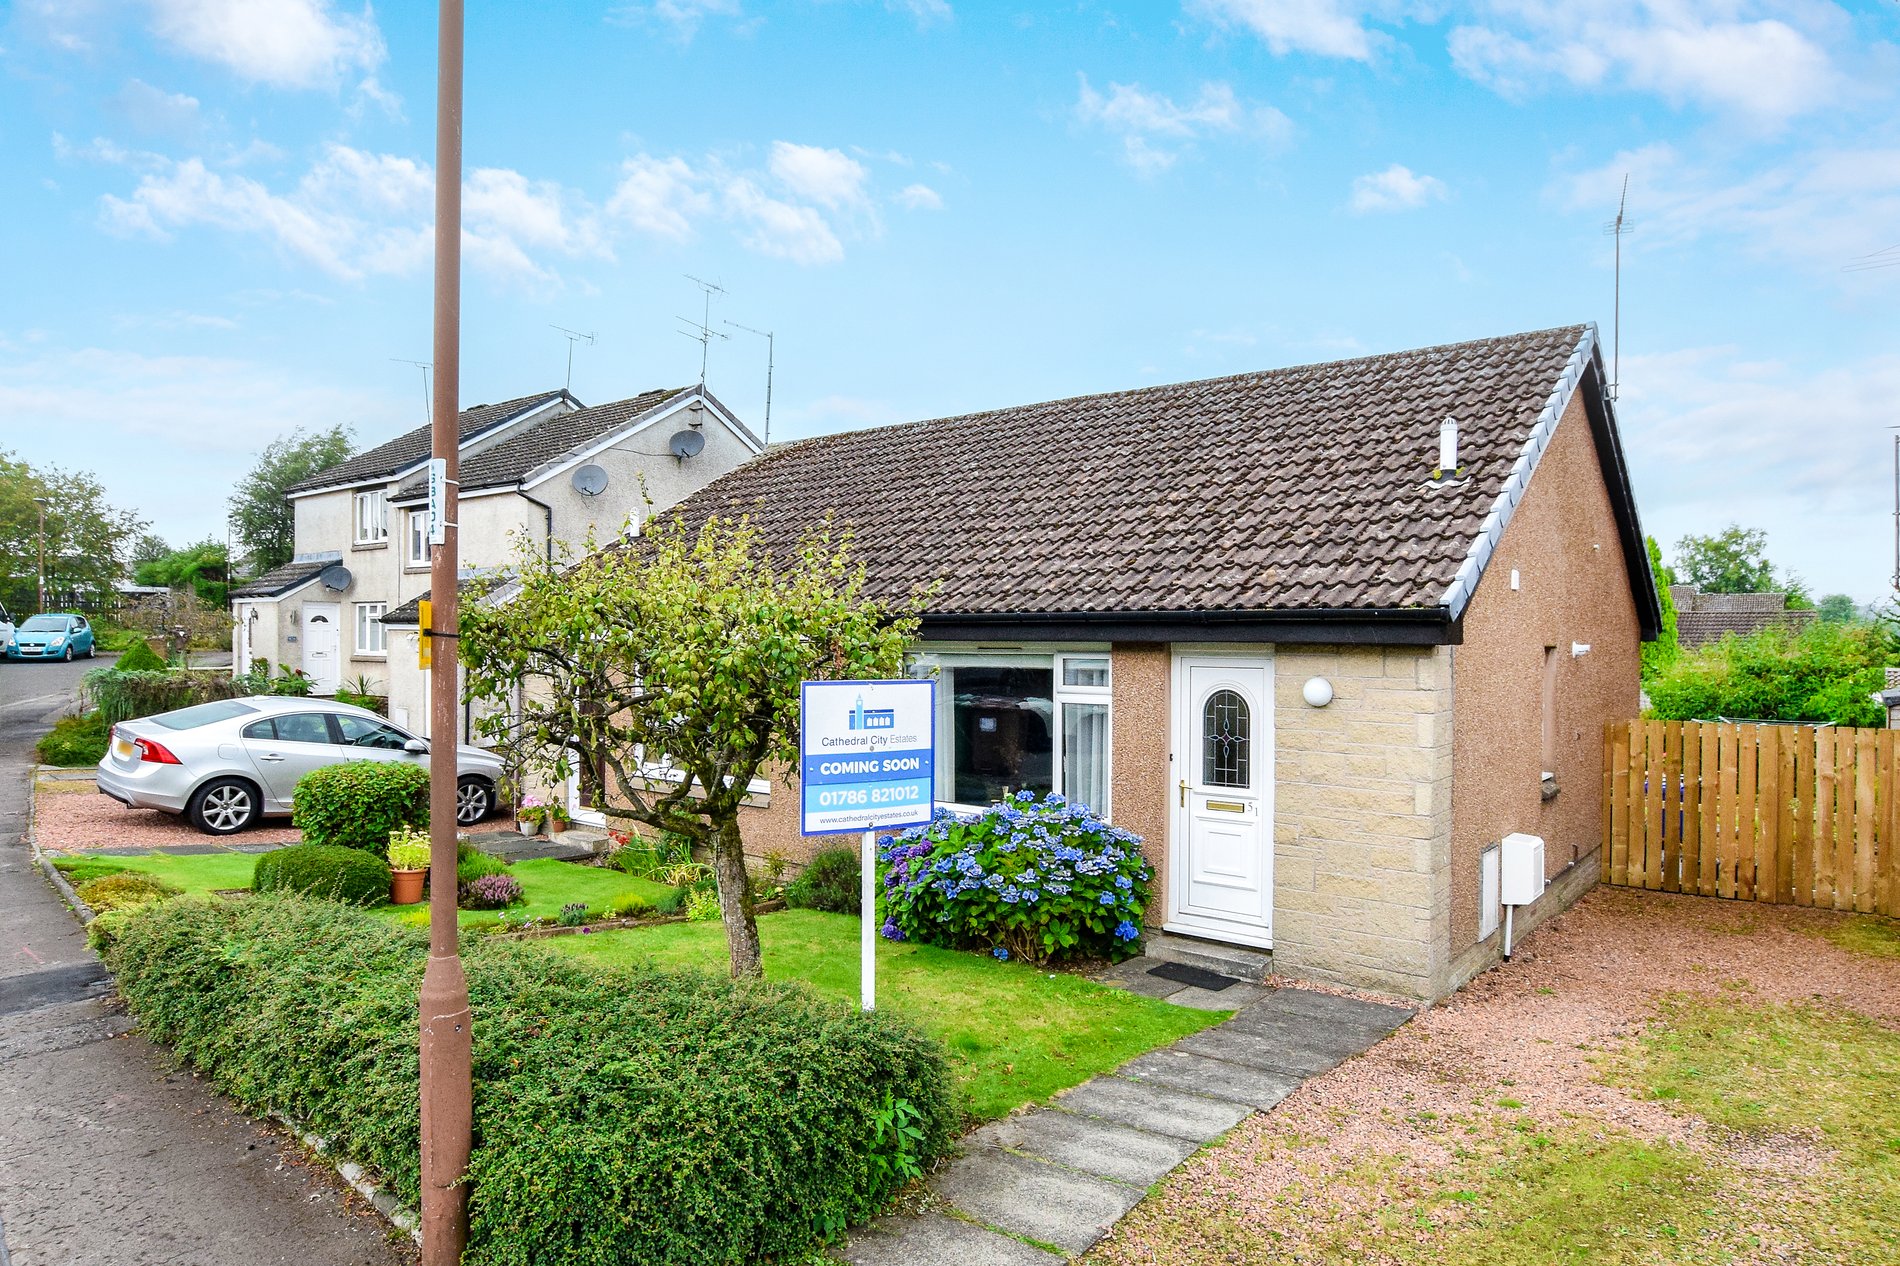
[867,755]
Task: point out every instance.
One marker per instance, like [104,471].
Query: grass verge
[1867,934]
[1015,1035]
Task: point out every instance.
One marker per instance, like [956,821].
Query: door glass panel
[1003,720]
[1085,754]
[303,727]
[1226,744]
[363,732]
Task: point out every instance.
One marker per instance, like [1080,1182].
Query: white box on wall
[1522,869]
[1488,892]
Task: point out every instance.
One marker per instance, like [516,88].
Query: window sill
[369,657]
[415,567]
[366,545]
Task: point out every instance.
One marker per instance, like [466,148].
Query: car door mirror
[416,747]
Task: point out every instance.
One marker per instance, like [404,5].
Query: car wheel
[68,656]
[92,652]
[224,806]
[473,800]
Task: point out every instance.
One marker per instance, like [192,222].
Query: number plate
[122,748]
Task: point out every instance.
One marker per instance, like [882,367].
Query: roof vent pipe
[1448,448]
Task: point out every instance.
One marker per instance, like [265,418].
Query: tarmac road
[108,1155]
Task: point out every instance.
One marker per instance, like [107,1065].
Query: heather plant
[1043,880]
[490,892]
[573,914]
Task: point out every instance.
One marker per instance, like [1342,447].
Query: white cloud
[1326,27]
[824,176]
[283,43]
[683,16]
[155,112]
[775,227]
[355,214]
[925,12]
[1155,129]
[1397,188]
[1818,209]
[660,196]
[1715,436]
[1737,57]
[919,198]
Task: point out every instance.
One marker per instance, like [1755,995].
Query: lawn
[547,884]
[1015,1035]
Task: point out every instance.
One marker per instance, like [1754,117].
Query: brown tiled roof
[552,438]
[385,460]
[1293,489]
[280,580]
[1700,628]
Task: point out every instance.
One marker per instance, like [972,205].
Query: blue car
[52,637]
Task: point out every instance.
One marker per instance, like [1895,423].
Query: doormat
[1199,977]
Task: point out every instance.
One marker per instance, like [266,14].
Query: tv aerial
[572,337]
[701,331]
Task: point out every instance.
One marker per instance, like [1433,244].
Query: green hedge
[621,1115]
[74,741]
[349,875]
[831,881]
[357,805]
[126,696]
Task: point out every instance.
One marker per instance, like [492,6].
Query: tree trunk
[735,901]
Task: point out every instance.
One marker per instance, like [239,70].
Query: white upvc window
[1011,721]
[416,539]
[371,637]
[372,517]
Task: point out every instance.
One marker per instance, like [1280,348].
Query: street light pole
[447,1095]
[42,503]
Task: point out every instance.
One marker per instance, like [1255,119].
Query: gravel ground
[1522,1042]
[82,818]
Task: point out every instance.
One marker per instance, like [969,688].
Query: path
[1061,1176]
[106,1154]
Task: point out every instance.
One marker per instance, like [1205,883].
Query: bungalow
[1322,636]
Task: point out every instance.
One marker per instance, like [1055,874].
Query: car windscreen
[44,624]
[202,714]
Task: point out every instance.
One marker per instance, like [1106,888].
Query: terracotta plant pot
[405,886]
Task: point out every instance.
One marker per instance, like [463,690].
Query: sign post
[867,762]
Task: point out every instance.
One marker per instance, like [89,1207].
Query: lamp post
[42,503]
[446,1049]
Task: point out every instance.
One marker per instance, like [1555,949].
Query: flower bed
[1038,879]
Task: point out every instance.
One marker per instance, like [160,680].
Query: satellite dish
[590,480]
[686,444]
[336,577]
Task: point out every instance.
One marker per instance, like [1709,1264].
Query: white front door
[322,645]
[1222,859]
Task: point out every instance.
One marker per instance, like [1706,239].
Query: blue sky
[217,218]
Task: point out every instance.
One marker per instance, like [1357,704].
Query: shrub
[74,741]
[472,863]
[831,882]
[348,875]
[125,696]
[1826,673]
[105,928]
[139,657]
[1040,880]
[489,892]
[573,914]
[702,904]
[357,805]
[632,906]
[672,901]
[621,1115]
[125,890]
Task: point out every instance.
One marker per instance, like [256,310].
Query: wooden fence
[1795,814]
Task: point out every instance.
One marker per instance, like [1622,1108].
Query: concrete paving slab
[1329,1006]
[1276,1052]
[190,850]
[934,1240]
[1232,998]
[1033,1198]
[1198,1074]
[1148,986]
[1305,1032]
[1090,1144]
[1154,1108]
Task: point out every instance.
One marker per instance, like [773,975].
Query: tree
[203,568]
[665,673]
[1838,608]
[182,620]
[87,539]
[149,548]
[1826,673]
[1734,560]
[261,514]
[1662,652]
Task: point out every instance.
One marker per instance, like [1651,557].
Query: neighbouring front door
[1222,859]
[322,646]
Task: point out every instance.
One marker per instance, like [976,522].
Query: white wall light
[1579,649]
[1317,691]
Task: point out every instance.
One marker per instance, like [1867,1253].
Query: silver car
[226,764]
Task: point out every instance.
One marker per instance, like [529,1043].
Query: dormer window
[372,517]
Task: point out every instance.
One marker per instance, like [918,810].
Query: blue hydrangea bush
[1043,880]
